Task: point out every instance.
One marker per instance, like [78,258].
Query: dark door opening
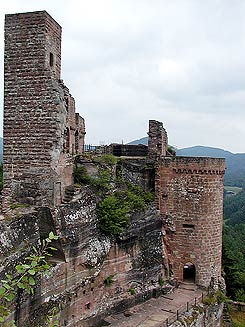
[189,273]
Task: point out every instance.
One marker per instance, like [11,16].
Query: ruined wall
[129,150]
[36,111]
[157,140]
[189,195]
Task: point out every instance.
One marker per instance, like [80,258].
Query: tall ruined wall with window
[41,129]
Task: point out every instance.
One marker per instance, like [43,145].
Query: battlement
[194,165]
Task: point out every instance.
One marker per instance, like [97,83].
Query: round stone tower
[189,194]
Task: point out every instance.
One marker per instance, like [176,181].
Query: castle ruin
[41,129]
[177,238]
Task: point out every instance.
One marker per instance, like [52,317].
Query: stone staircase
[69,193]
[190,286]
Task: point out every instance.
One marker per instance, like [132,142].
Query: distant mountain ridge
[235,162]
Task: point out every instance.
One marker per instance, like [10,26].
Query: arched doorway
[189,272]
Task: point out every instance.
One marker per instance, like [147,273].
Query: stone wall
[39,113]
[157,140]
[129,150]
[189,195]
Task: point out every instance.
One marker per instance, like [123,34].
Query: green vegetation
[238,318]
[234,246]
[17,205]
[215,297]
[112,215]
[108,281]
[102,182]
[132,291]
[81,176]
[118,198]
[234,209]
[161,281]
[1,178]
[172,150]
[107,159]
[113,211]
[24,279]
[233,189]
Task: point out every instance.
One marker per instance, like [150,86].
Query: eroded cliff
[93,274]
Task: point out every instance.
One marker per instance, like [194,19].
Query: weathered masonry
[41,128]
[174,238]
[189,195]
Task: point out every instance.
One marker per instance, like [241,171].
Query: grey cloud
[179,61]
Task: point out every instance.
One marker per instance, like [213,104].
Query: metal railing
[181,310]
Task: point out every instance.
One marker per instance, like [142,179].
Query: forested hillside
[234,245]
[235,162]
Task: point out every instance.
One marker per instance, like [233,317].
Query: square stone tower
[41,130]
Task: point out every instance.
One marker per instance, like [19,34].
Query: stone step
[69,193]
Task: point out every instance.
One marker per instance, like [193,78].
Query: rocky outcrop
[93,275]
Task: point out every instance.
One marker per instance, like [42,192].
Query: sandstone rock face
[93,274]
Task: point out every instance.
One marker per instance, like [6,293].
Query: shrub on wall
[81,176]
[112,215]
[114,210]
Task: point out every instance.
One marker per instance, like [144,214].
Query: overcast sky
[127,61]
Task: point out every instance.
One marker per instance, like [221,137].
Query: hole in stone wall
[87,305]
[189,273]
[51,59]
[188,226]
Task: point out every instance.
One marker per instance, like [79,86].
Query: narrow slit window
[51,59]
[188,226]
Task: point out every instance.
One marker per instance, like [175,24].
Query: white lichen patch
[95,250]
